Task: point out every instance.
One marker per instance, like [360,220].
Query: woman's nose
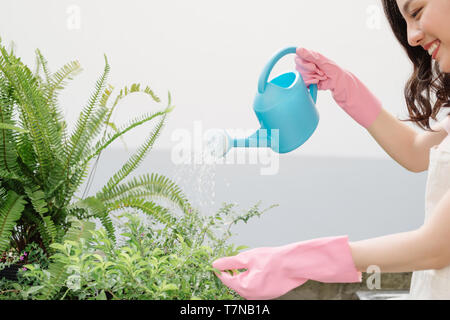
[415,36]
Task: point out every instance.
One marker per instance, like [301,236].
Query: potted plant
[42,165]
[45,229]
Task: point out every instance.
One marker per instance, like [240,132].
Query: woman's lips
[432,46]
[436,51]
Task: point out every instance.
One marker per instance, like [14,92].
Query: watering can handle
[268,69]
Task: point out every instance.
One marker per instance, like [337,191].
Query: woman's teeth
[433,47]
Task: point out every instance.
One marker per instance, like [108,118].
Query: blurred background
[209,55]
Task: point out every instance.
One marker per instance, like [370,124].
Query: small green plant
[43,223]
[42,165]
[148,263]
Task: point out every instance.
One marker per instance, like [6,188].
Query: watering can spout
[220,142]
[260,139]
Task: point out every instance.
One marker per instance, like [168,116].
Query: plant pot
[10,272]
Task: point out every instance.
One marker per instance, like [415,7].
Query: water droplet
[197,180]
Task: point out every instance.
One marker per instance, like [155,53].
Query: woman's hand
[264,277]
[347,90]
[274,271]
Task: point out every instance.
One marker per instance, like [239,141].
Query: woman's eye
[416,13]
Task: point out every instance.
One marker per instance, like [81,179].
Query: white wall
[209,54]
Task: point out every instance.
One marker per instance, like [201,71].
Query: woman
[423,29]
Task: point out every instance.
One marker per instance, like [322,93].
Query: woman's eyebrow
[406,5]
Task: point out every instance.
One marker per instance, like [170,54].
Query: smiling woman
[423,29]
[420,25]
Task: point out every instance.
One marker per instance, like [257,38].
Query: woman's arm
[407,147]
[425,248]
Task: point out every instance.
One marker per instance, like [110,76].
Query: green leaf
[239,248]
[10,211]
[31,291]
[11,127]
[97,209]
[169,286]
[58,246]
[101,296]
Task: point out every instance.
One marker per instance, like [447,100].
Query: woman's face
[428,21]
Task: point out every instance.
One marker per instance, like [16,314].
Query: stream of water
[197,178]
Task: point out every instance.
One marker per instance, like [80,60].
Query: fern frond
[135,87]
[152,186]
[45,224]
[106,95]
[76,145]
[40,125]
[157,212]
[50,227]
[2,192]
[8,126]
[37,197]
[59,79]
[135,159]
[37,69]
[97,209]
[27,154]
[5,175]
[38,222]
[92,130]
[10,211]
[105,142]
[57,82]
[44,64]
[34,115]
[8,154]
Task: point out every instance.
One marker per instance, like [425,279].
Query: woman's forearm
[396,138]
[407,147]
[401,252]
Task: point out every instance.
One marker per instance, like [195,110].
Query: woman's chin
[443,62]
[444,67]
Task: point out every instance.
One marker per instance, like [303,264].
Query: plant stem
[11,290]
[64,295]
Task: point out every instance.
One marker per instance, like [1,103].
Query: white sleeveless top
[434,284]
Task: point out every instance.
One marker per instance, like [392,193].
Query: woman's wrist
[401,252]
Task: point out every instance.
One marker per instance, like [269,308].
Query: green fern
[10,211]
[150,208]
[45,224]
[96,209]
[43,165]
[135,159]
[152,186]
[79,139]
[110,138]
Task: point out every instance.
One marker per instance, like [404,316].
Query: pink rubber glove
[274,271]
[347,90]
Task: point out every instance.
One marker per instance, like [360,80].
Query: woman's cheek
[427,26]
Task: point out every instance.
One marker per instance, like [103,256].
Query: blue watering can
[285,104]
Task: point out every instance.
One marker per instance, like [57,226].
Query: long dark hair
[426,78]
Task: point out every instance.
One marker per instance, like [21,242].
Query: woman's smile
[433,48]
